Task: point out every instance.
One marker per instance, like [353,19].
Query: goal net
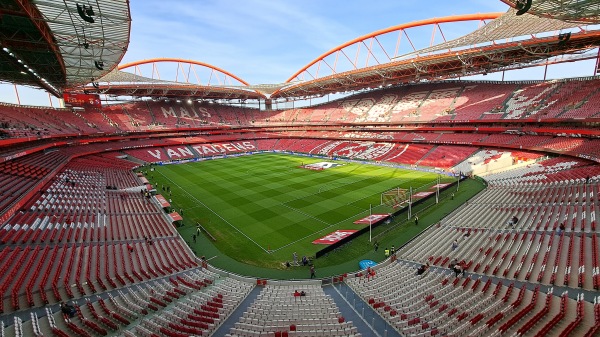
[395,197]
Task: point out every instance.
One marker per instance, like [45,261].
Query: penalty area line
[319,231]
[215,213]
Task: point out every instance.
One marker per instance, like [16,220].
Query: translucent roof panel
[92,36]
[508,26]
[581,11]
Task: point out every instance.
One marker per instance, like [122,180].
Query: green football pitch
[262,208]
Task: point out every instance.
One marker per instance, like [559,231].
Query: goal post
[395,197]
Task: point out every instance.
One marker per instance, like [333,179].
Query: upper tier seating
[454,101]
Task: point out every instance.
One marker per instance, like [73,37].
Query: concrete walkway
[363,317]
[237,313]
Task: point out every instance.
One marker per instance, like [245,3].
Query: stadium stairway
[133,159]
[237,313]
[426,154]
[362,315]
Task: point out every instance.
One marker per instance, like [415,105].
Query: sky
[266,41]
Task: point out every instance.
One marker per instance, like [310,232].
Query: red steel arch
[154,61]
[401,27]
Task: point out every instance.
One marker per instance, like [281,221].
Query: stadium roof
[61,44]
[580,11]
[507,26]
[507,42]
[479,60]
[64,45]
[121,83]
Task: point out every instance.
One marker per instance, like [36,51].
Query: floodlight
[86,13]
[522,6]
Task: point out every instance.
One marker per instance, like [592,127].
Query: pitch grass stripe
[221,180]
[341,221]
[369,181]
[215,213]
[305,214]
[317,232]
[344,185]
[262,182]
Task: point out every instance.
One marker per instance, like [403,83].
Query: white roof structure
[92,36]
[581,11]
[507,26]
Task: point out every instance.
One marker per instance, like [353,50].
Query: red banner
[373,218]
[334,237]
[83,100]
[162,201]
[420,195]
[175,216]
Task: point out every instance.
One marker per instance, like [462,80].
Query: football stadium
[436,176]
